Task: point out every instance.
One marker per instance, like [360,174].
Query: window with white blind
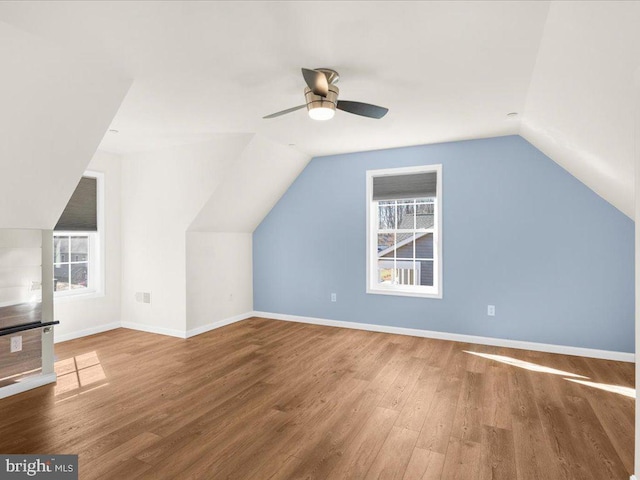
[404,231]
[77,239]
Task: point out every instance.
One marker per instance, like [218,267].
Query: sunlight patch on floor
[626,391]
[534,367]
[77,373]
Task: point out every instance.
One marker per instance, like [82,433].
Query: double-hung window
[77,241]
[404,225]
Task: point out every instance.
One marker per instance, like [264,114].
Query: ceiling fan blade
[362,109]
[284,112]
[317,81]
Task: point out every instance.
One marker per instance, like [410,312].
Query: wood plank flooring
[264,399]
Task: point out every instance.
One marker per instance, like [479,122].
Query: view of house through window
[404,231]
[71,261]
[405,241]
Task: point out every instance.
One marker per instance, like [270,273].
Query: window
[72,257]
[404,225]
[77,241]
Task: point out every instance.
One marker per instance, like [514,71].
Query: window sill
[71,297]
[404,293]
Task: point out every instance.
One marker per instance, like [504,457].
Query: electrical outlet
[143,297]
[334,297]
[491,310]
[16,344]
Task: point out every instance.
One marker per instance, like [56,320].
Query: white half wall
[55,110]
[85,315]
[219,277]
[162,192]
[219,243]
[20,266]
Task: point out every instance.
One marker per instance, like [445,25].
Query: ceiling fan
[321,95]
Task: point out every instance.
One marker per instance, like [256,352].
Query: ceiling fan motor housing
[317,101]
[321,97]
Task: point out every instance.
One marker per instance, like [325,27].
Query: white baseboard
[154,329]
[27,384]
[186,333]
[221,323]
[457,337]
[63,337]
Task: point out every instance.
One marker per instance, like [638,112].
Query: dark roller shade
[398,187]
[81,213]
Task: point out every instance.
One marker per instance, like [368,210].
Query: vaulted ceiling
[446,70]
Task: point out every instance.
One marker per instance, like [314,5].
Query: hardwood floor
[264,399]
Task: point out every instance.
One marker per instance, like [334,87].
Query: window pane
[60,249]
[406,273]
[386,215]
[400,272]
[424,216]
[424,245]
[405,245]
[60,277]
[79,275]
[385,240]
[385,272]
[79,249]
[406,216]
[426,272]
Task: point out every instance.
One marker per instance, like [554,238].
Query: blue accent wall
[519,233]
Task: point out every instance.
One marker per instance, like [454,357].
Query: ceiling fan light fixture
[319,107]
[321,95]
[322,113]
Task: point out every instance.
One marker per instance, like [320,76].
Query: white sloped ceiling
[54,111]
[446,70]
[251,187]
[580,105]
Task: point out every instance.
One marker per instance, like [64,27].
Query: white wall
[84,315]
[197,279]
[162,192]
[219,278]
[637,217]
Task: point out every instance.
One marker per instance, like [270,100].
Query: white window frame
[96,271]
[373,286]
